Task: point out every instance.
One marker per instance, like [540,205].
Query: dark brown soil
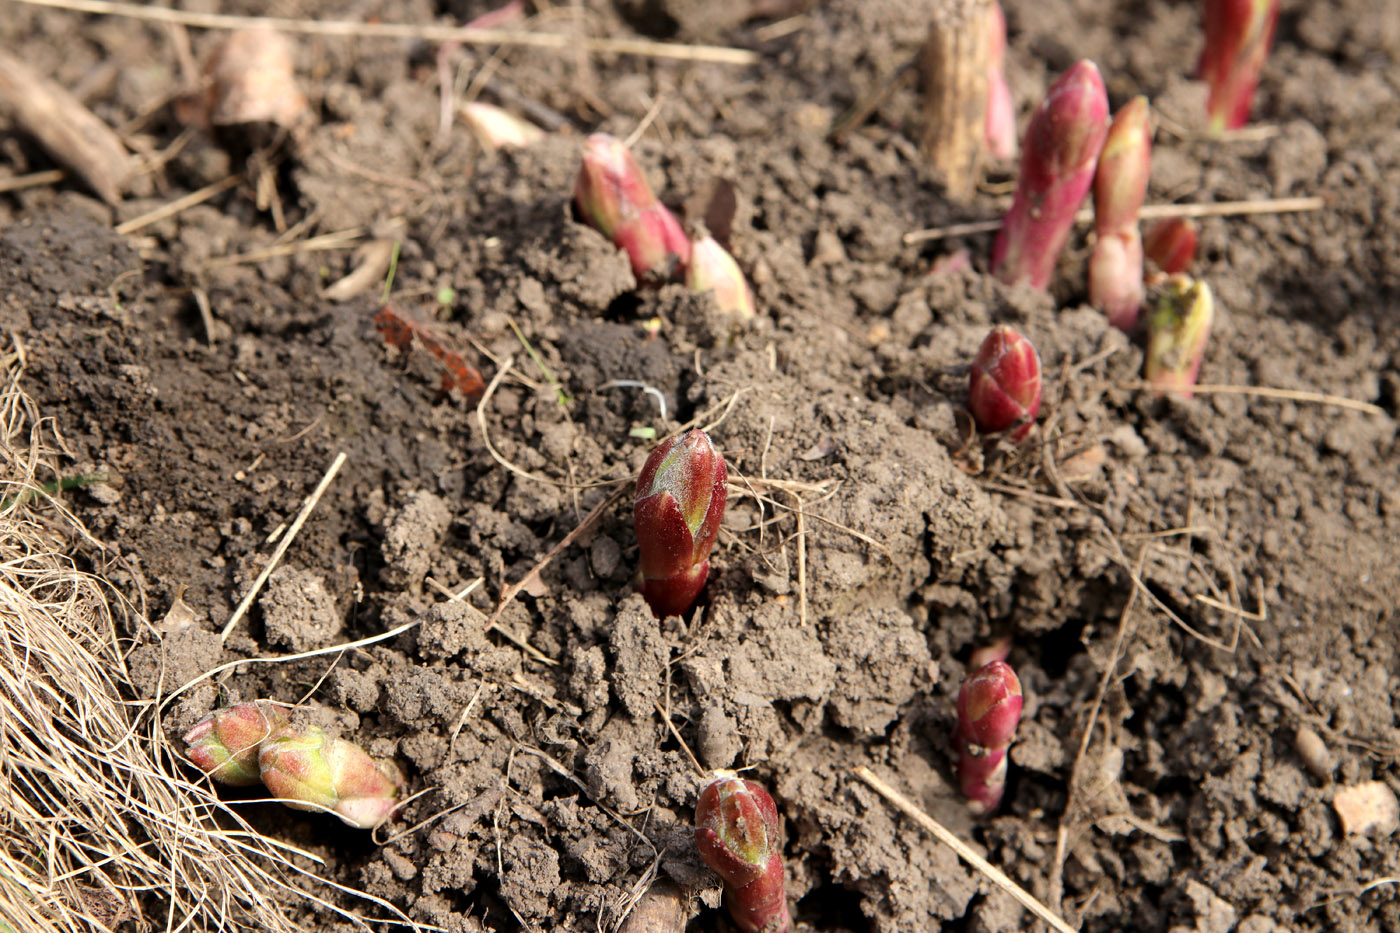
[822,645]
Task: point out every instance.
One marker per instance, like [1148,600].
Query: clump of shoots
[989,708]
[225,744]
[495,128]
[737,833]
[307,770]
[1120,186]
[1059,153]
[713,269]
[1176,335]
[613,196]
[999,132]
[1238,34]
[1171,244]
[1004,388]
[680,499]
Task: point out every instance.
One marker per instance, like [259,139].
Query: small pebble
[1314,752]
[1366,806]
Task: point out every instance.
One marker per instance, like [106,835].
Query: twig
[178,205]
[1292,395]
[33,180]
[429,33]
[937,830]
[1148,212]
[282,546]
[339,239]
[1072,795]
[510,592]
[685,747]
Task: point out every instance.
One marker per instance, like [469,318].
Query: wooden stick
[282,546]
[954,66]
[430,33]
[67,130]
[943,835]
[1149,212]
[32,180]
[1292,395]
[178,205]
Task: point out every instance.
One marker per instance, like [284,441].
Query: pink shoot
[307,770]
[613,196]
[1120,186]
[1059,154]
[1238,35]
[679,503]
[737,833]
[999,135]
[1171,244]
[1004,388]
[989,708]
[713,269]
[225,744]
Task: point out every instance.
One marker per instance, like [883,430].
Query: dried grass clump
[98,825]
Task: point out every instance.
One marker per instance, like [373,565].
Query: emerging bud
[989,709]
[1120,186]
[1004,388]
[713,269]
[1060,151]
[737,834]
[999,132]
[1238,35]
[613,197]
[680,500]
[1171,244]
[1177,334]
[499,129]
[308,771]
[225,744]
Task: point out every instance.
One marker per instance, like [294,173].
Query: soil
[823,643]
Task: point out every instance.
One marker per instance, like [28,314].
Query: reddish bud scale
[1058,157]
[1004,388]
[225,744]
[680,499]
[738,836]
[999,134]
[1177,334]
[307,770]
[989,709]
[1171,244]
[613,197]
[1238,34]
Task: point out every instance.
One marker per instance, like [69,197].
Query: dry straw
[100,824]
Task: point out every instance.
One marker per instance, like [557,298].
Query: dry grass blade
[427,33]
[99,829]
[906,806]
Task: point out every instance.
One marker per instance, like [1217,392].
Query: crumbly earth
[1265,532]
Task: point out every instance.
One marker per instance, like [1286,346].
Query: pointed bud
[307,770]
[680,500]
[613,197]
[499,129]
[1004,388]
[225,744]
[713,269]
[1177,335]
[989,705]
[999,133]
[1120,186]
[1238,34]
[737,835]
[1059,154]
[1171,244]
[989,709]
